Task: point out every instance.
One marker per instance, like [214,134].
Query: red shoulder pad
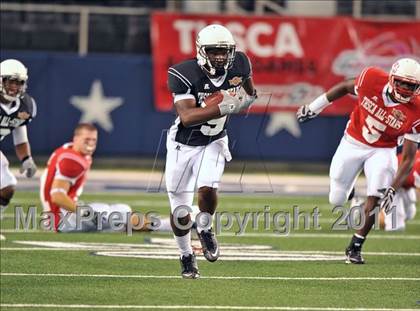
[70,168]
[368,76]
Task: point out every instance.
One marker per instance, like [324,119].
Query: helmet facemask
[404,89]
[11,88]
[216,59]
[404,80]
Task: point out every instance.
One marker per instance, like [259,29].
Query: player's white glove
[305,114]
[234,104]
[28,167]
[386,201]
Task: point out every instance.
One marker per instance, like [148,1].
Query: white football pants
[105,210]
[351,156]
[6,177]
[192,167]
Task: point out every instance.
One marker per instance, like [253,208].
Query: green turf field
[42,277]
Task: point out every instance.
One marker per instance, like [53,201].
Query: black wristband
[25,158]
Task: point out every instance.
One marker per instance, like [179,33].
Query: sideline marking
[160,248]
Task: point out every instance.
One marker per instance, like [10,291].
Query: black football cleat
[209,244]
[189,267]
[354,255]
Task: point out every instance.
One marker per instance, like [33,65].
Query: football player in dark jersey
[197,142]
[16,110]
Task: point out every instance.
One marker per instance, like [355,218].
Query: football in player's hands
[213,99]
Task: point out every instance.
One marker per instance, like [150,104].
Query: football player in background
[404,201]
[62,183]
[388,107]
[17,109]
[197,142]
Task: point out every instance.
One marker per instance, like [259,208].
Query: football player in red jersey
[62,183]
[388,108]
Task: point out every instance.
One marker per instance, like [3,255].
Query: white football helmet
[404,79]
[215,36]
[13,70]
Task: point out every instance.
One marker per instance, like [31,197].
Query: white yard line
[186,307]
[113,249]
[279,278]
[319,235]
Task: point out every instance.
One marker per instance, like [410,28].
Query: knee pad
[338,193]
[337,197]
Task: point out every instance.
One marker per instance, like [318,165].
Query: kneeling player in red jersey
[62,183]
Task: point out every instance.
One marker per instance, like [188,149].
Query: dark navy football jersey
[16,114]
[188,78]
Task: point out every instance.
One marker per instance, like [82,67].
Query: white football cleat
[2,237]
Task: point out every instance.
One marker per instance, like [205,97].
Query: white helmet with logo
[12,69]
[214,36]
[404,79]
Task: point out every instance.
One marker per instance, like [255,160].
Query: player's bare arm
[59,195]
[190,114]
[341,89]
[408,158]
[23,151]
[249,87]
[310,111]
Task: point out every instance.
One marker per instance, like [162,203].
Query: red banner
[294,59]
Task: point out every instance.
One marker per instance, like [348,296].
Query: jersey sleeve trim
[60,176]
[34,108]
[413,137]
[179,97]
[361,78]
[416,126]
